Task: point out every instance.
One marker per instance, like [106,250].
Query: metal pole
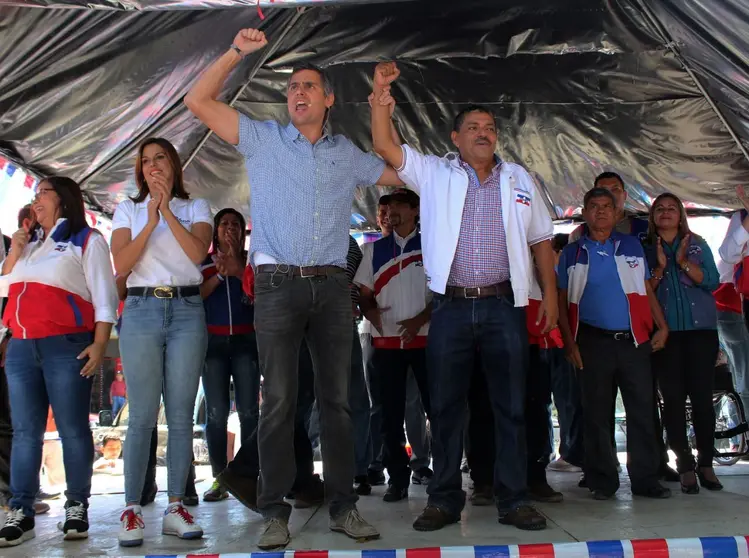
[268,53]
[670,44]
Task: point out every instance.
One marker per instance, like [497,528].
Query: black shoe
[17,529]
[362,486]
[602,495]
[655,491]
[434,519]
[544,493]
[76,521]
[523,517]
[191,500]
[422,476]
[312,495]
[583,482]
[376,478]
[669,475]
[149,495]
[708,484]
[395,494]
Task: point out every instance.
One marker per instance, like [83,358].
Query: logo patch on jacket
[632,262]
[523,198]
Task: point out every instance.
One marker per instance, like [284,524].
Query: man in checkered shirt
[483,223]
[302,188]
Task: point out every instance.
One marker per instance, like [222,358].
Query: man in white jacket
[735,249]
[481,218]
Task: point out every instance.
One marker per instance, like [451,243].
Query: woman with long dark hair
[232,348]
[160,237]
[61,309]
[684,276]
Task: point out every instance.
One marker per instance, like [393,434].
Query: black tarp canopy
[657,90]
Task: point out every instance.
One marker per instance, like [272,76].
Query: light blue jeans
[734,338]
[162,343]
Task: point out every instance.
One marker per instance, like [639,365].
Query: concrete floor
[230,528]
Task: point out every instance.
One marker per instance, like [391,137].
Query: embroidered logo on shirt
[632,262]
[603,253]
[61,247]
[694,250]
[523,198]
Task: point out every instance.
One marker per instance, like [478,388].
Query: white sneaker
[561,466]
[179,522]
[131,527]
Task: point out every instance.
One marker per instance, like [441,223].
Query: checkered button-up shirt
[301,194]
[481,256]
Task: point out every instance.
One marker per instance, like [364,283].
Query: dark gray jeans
[286,311]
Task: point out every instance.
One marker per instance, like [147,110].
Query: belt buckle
[620,335]
[163,292]
[466,289]
[301,271]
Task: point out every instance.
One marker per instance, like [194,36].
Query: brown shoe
[524,517]
[482,496]
[544,493]
[433,519]
[242,488]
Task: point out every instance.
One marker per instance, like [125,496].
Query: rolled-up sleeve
[97,268]
[734,244]
[541,226]
[416,168]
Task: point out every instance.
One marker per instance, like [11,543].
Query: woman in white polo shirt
[160,237]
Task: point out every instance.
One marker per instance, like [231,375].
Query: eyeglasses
[42,191]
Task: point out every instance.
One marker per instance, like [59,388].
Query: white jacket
[443,184]
[735,246]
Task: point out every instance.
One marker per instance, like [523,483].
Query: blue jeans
[566,389]
[734,338]
[496,328]
[44,372]
[162,343]
[230,357]
[118,402]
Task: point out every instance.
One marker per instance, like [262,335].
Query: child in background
[110,462]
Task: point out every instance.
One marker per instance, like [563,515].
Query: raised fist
[250,40]
[385,74]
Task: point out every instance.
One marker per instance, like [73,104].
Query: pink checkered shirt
[481,256]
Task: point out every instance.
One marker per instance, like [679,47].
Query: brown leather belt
[300,271]
[500,289]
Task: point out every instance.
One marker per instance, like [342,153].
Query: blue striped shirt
[301,194]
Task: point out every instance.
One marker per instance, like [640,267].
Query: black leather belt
[300,271]
[611,334]
[500,289]
[164,292]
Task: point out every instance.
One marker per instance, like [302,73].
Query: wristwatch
[236,49]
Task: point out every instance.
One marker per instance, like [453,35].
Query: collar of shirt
[613,237]
[472,172]
[402,241]
[294,134]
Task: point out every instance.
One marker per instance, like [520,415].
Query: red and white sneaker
[179,522]
[131,529]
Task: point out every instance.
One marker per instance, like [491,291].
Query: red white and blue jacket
[396,275]
[60,285]
[631,266]
[551,340]
[228,310]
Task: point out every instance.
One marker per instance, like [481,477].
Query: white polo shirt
[163,262]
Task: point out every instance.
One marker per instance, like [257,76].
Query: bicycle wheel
[729,416]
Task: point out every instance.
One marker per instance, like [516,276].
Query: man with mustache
[303,180]
[481,220]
